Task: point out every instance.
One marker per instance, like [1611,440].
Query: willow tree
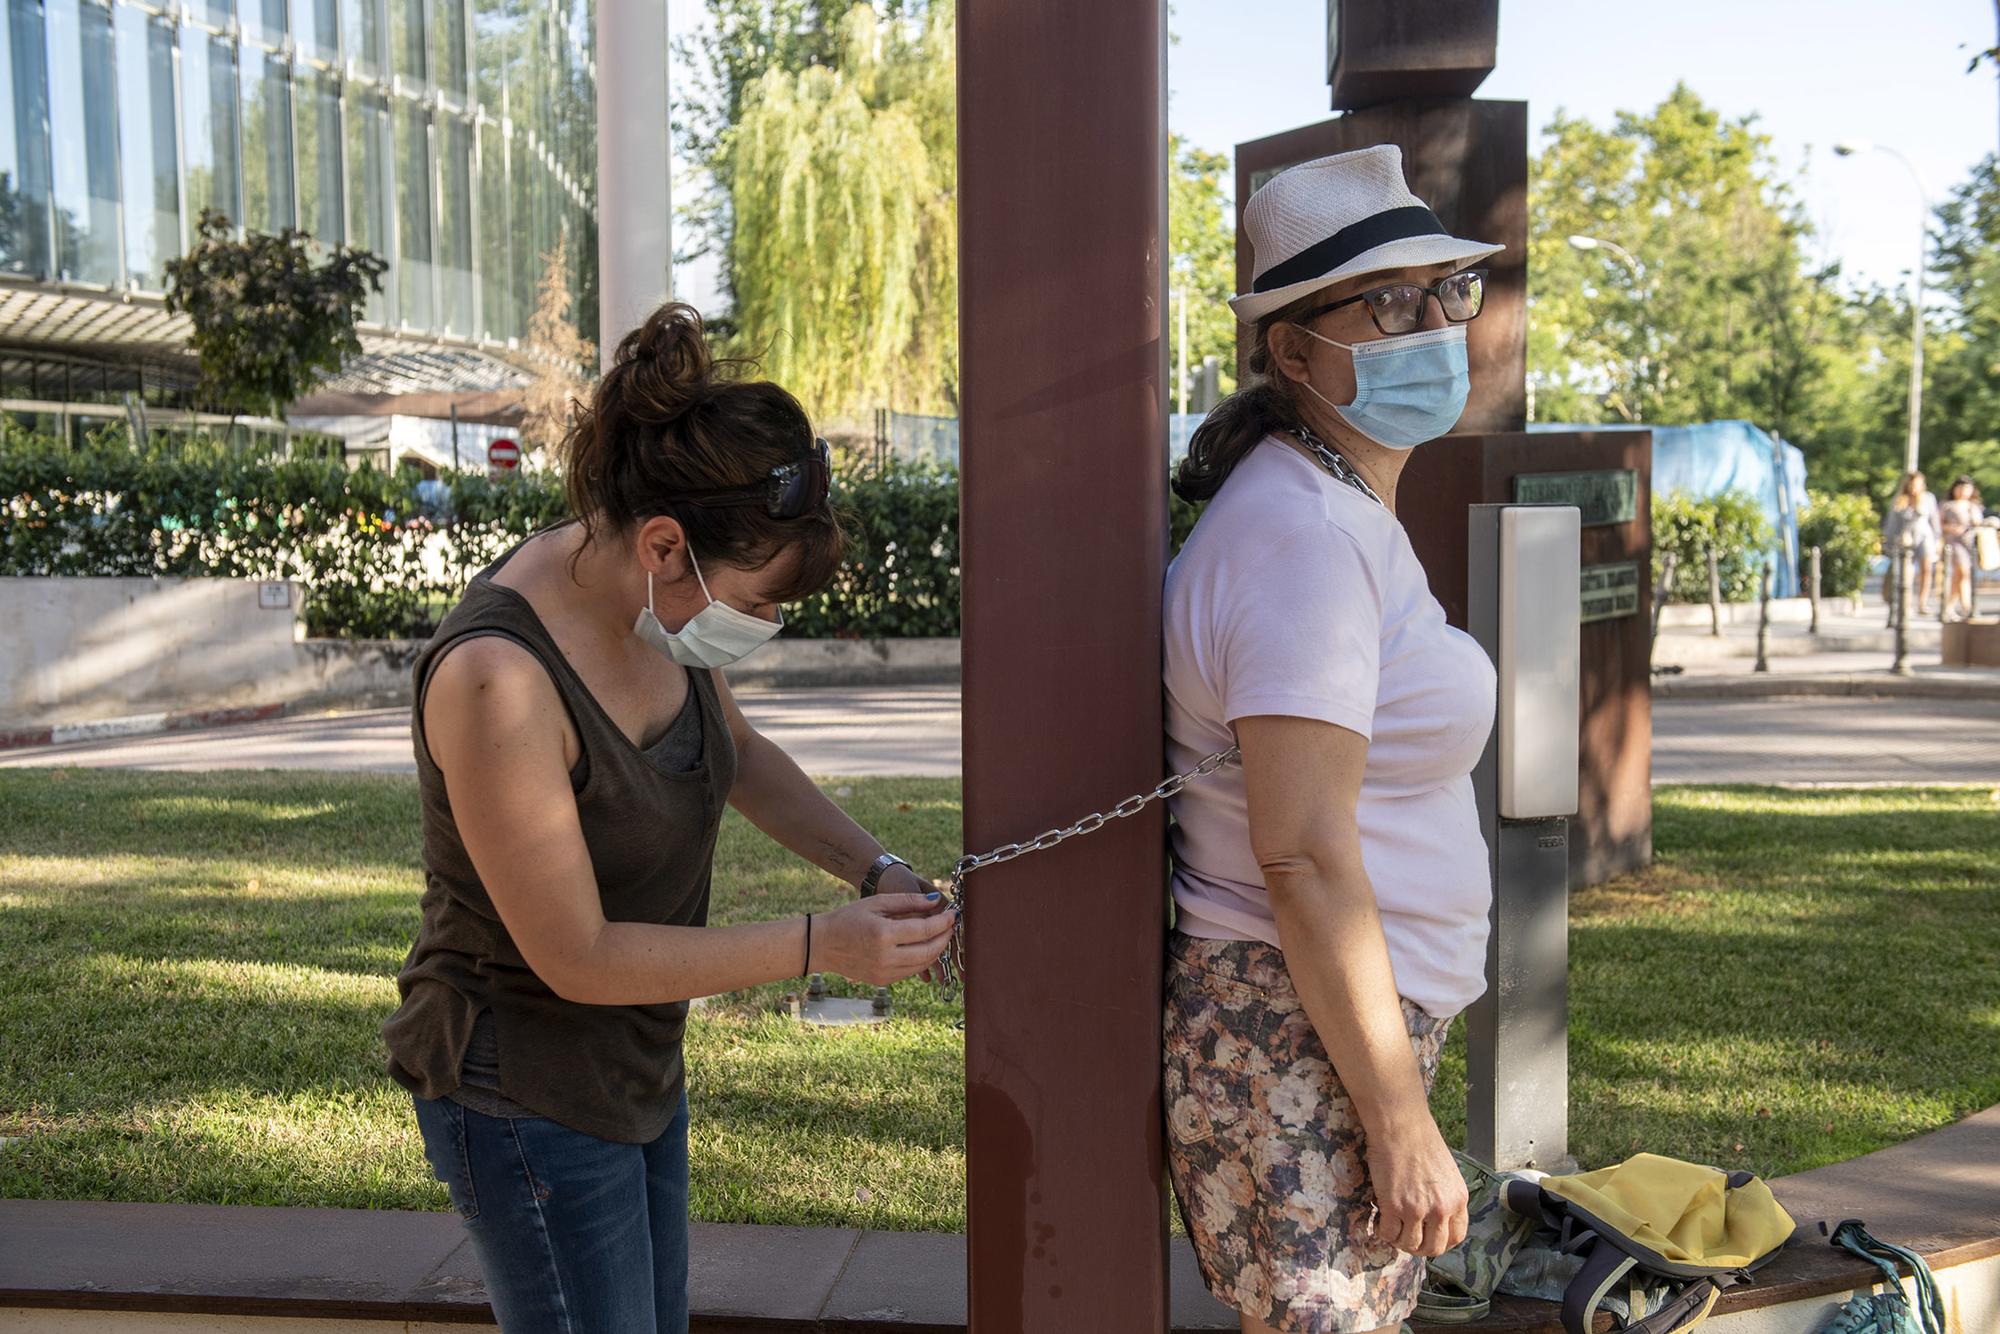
[844,243]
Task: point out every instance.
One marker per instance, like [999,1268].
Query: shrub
[1848,532]
[1685,525]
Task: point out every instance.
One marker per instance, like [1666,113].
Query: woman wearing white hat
[1332,891]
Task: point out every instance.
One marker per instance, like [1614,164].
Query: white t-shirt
[1298,595]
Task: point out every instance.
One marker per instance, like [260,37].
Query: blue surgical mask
[1408,388]
[715,636]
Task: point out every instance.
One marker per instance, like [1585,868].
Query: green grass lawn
[193,969]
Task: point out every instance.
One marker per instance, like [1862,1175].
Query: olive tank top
[613,1071]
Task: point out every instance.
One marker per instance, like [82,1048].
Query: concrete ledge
[357,1265]
[1784,611]
[1939,1195]
[1927,683]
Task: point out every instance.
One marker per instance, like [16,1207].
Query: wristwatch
[875,870]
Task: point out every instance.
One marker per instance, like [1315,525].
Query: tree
[1962,349]
[745,40]
[268,321]
[844,233]
[1726,314]
[1201,245]
[563,358]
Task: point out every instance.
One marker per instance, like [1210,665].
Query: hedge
[377,562]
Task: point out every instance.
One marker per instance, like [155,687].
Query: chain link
[950,967]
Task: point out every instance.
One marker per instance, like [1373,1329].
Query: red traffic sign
[503,453]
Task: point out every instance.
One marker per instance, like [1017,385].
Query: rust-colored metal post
[1062,234]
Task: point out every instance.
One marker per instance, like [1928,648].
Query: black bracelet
[809,943]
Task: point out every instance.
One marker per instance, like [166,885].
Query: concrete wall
[74,649]
[78,650]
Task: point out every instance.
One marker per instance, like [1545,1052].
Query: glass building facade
[454,138]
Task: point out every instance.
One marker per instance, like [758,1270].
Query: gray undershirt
[678,751]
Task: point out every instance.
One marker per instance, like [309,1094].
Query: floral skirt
[1266,1151]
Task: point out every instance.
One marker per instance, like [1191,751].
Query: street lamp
[1848,148]
[1597,243]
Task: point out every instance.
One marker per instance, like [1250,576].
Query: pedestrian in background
[1913,518]
[1958,518]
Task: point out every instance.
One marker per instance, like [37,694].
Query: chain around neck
[1332,461]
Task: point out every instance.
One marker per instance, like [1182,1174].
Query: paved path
[855,733]
[1835,741]
[915,731]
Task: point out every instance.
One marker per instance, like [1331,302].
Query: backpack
[1654,1223]
[1886,1312]
[1459,1285]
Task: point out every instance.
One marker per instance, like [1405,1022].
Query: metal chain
[1333,462]
[950,968]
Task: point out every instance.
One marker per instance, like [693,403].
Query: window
[499,39]
[316,28]
[369,203]
[365,24]
[496,265]
[208,125]
[448,46]
[83,116]
[267,142]
[319,157]
[455,271]
[413,258]
[266,21]
[149,154]
[24,144]
[406,39]
[216,12]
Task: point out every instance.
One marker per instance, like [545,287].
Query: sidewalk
[1852,655]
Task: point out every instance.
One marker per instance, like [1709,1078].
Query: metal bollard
[1901,667]
[1813,591]
[1763,615]
[1944,585]
[1660,593]
[1714,594]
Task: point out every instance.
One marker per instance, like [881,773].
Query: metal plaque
[1605,497]
[1610,591]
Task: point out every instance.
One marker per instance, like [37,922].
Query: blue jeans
[575,1234]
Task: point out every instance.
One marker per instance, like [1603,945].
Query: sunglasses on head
[1398,308]
[789,491]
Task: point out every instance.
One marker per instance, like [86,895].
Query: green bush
[374,565]
[1687,526]
[900,580]
[1848,532]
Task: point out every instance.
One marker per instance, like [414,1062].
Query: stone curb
[138,724]
[1781,685]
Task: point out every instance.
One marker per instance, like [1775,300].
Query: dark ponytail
[1234,426]
[669,418]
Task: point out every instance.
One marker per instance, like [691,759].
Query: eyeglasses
[789,491]
[1398,308]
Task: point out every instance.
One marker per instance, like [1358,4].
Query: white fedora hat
[1336,217]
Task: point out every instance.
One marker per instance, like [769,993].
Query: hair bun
[666,362]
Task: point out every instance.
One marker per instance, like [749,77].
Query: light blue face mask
[1408,388]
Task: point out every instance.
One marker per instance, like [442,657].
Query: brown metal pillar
[1062,229]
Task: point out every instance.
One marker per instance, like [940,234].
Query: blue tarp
[1711,459]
